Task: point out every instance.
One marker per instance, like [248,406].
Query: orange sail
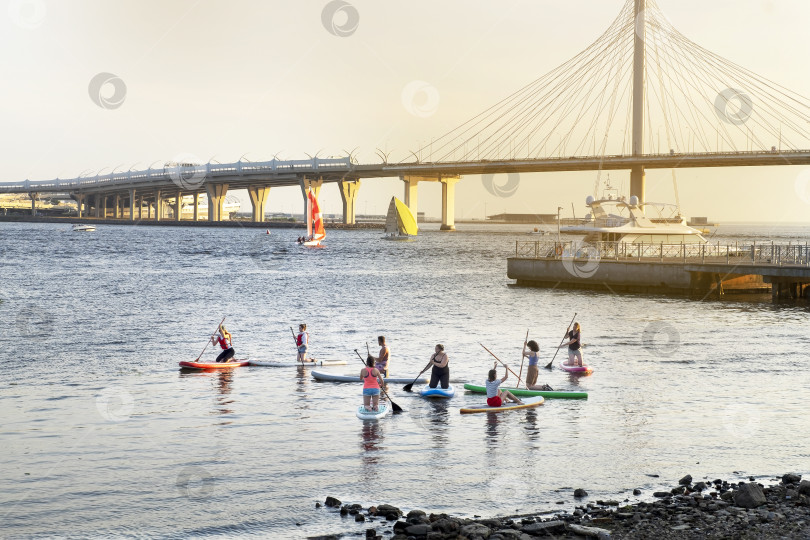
[315,219]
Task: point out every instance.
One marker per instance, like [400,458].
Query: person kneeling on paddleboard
[372,381]
[440,372]
[574,344]
[381,362]
[225,340]
[302,341]
[533,370]
[495,396]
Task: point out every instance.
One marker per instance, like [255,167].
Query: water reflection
[223,384]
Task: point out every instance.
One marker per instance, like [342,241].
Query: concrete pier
[310,183]
[348,193]
[258,198]
[449,203]
[216,200]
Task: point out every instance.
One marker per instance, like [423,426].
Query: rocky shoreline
[704,509]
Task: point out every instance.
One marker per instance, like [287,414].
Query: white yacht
[626,221]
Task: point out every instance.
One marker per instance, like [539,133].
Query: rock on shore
[712,509]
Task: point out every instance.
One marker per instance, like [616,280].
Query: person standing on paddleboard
[495,396]
[533,371]
[381,362]
[225,340]
[574,344]
[440,374]
[302,341]
[372,381]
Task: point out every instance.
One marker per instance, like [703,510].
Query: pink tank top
[370,381]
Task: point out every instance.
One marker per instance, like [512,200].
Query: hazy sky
[219,80]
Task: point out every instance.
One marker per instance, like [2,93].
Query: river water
[102,434]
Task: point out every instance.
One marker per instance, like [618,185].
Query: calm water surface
[101,433]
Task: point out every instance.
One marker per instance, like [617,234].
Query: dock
[679,269]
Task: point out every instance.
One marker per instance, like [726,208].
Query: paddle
[409,386]
[394,406]
[523,357]
[209,340]
[548,366]
[504,365]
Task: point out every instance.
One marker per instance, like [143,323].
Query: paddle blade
[408,387]
[548,366]
[396,408]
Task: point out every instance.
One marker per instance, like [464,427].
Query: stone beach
[702,509]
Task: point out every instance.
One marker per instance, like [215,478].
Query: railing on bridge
[753,254]
[198,171]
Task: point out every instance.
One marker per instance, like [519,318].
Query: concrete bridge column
[79,198]
[178,206]
[310,183]
[196,204]
[258,198]
[448,203]
[104,206]
[140,207]
[216,200]
[410,192]
[638,183]
[97,203]
[158,205]
[132,200]
[348,192]
[117,203]
[34,197]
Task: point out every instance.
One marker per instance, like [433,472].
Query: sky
[92,86]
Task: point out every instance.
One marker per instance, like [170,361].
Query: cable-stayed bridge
[642,96]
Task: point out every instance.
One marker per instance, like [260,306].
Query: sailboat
[315,230]
[400,223]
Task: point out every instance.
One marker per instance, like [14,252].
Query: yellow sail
[405,219]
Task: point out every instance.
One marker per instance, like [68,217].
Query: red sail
[318,231]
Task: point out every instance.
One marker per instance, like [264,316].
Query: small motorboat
[83,228]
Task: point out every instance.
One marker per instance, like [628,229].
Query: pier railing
[754,253]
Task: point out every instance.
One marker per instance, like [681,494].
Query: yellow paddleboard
[528,403]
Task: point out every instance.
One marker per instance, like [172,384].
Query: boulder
[413,514]
[417,530]
[547,527]
[636,491]
[387,509]
[700,486]
[791,478]
[332,502]
[475,529]
[359,517]
[508,534]
[686,480]
[749,496]
[579,493]
[445,525]
[804,487]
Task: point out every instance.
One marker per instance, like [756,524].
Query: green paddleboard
[548,394]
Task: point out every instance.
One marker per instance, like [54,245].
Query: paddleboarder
[533,371]
[225,340]
[440,374]
[495,396]
[372,381]
[302,342]
[381,362]
[574,344]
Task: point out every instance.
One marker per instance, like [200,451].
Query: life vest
[299,340]
[223,342]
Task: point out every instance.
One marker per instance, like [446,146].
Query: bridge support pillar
[97,204]
[34,197]
[196,205]
[79,198]
[178,206]
[132,199]
[140,207]
[216,200]
[411,193]
[158,205]
[449,203]
[638,182]
[104,206]
[310,183]
[258,198]
[117,203]
[348,192]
